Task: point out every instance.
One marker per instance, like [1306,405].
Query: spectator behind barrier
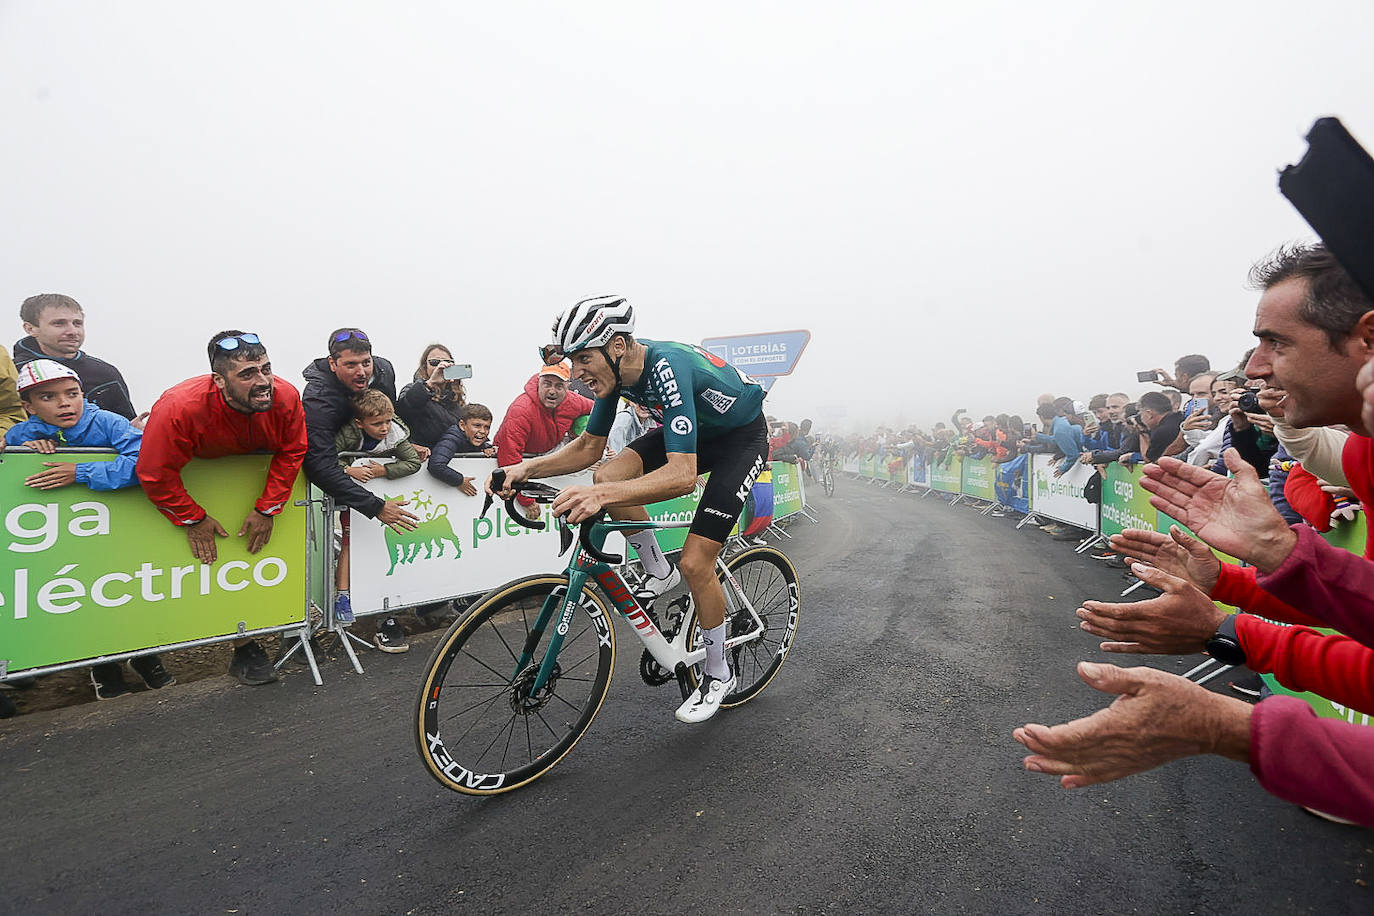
[538,420]
[11,409]
[238,409]
[1162,424]
[331,383]
[1185,367]
[56,326]
[468,436]
[375,430]
[61,416]
[1316,331]
[431,404]
[631,421]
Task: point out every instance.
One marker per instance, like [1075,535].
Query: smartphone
[458,371]
[1146,376]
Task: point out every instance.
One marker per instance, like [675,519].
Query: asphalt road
[876,774]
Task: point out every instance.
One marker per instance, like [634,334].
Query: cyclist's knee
[696,567]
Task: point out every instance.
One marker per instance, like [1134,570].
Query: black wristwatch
[1224,645]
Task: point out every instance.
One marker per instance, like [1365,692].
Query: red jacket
[192,420]
[530,428]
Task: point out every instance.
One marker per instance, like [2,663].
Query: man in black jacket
[56,325]
[330,384]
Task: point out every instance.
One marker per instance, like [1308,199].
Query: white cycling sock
[650,554]
[714,641]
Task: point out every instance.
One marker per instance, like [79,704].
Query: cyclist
[712,420]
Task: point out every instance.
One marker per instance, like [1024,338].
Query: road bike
[829,464]
[517,680]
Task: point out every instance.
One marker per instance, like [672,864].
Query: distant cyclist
[712,420]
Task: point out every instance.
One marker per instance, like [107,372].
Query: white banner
[1061,498]
[851,464]
[453,552]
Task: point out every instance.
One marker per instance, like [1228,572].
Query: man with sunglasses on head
[330,386]
[239,408]
[712,420]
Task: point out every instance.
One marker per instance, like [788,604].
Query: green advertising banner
[977,480]
[787,492]
[867,464]
[98,573]
[947,477]
[1126,504]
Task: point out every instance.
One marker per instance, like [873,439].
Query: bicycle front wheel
[764,577]
[480,726]
[828,481]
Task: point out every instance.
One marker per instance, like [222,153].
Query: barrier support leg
[1030,519]
[346,639]
[1095,541]
[1220,670]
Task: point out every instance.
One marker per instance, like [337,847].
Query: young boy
[374,430]
[61,417]
[467,436]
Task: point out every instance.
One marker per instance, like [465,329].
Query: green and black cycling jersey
[695,395]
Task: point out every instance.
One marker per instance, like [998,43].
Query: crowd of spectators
[1257,459]
[347,426]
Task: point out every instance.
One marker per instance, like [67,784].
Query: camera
[1249,403]
[458,371]
[1146,376]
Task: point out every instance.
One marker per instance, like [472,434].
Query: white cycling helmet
[592,323]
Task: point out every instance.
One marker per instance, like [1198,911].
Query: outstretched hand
[1232,514]
[1178,622]
[1176,553]
[1155,718]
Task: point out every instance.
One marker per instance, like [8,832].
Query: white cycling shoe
[651,588]
[705,700]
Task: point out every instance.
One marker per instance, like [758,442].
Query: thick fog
[966,204]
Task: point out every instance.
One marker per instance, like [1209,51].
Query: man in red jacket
[239,408]
[538,420]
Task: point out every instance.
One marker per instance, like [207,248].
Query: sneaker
[997,513]
[343,609]
[251,666]
[1068,534]
[1246,686]
[651,587]
[149,667]
[108,680]
[705,702]
[1116,562]
[390,637]
[1103,554]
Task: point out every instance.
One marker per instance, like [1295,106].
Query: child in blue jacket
[61,417]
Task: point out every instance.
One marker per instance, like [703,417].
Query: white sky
[967,204]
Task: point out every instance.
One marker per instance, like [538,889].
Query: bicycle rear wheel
[828,481]
[766,578]
[479,727]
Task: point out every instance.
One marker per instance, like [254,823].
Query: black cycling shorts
[734,459]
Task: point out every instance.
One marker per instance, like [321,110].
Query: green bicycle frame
[562,602]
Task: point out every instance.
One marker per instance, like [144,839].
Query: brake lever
[498,481]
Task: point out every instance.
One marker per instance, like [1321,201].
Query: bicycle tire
[474,708]
[828,481]
[770,582]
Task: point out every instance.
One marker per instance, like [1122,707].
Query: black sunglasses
[346,335]
[230,344]
[437,362]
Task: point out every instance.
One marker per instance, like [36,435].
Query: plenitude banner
[1061,498]
[91,573]
[455,552]
[977,479]
[948,476]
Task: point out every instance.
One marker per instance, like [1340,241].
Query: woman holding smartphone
[431,403]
